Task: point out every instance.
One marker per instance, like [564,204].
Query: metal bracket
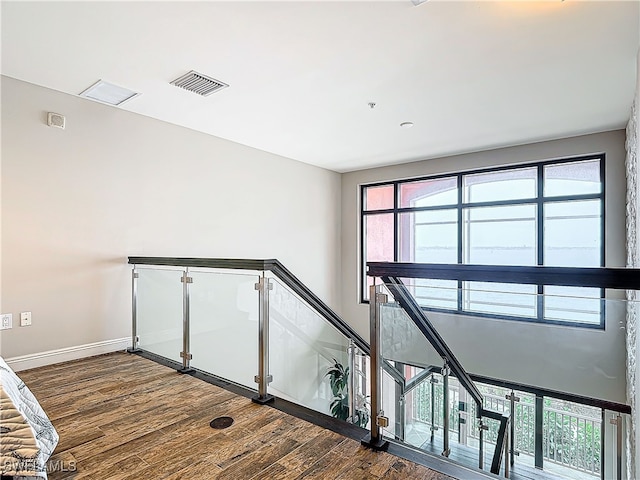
[613,421]
[382,421]
[258,286]
[483,427]
[513,397]
[137,339]
[382,298]
[257,378]
[434,380]
[435,429]
[189,356]
[187,279]
[136,275]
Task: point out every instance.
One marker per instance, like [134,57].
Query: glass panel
[429,193]
[429,236]
[378,198]
[442,294]
[500,235]
[575,178]
[224,325]
[362,374]
[378,245]
[573,304]
[572,234]
[159,311]
[583,361]
[501,299]
[401,342]
[303,347]
[502,185]
[413,392]
[379,237]
[423,407]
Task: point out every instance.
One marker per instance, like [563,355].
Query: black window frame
[539,200]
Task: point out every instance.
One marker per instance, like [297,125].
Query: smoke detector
[198,83]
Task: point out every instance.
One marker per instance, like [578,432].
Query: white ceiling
[470,75]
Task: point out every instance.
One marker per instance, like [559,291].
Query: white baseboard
[50,357]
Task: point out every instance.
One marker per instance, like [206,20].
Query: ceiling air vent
[197,83]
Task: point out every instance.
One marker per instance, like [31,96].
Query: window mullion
[363,248]
[460,239]
[396,221]
[540,242]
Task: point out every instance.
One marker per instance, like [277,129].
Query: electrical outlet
[25,319]
[6,321]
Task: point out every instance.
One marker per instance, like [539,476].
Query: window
[549,213]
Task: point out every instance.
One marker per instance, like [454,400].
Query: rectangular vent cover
[197,83]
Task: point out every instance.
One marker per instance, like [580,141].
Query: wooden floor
[123,417]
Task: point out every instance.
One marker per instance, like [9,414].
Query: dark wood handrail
[422,322]
[616,278]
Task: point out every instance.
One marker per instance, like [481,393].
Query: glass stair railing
[250,322]
[482,390]
[517,396]
[401,325]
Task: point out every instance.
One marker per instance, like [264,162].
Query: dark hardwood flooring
[124,417]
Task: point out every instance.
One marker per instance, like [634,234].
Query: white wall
[490,345]
[77,202]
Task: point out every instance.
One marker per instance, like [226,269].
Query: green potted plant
[339,378]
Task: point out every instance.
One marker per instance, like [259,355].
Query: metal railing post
[186,334]
[512,410]
[538,439]
[481,428]
[134,311]
[351,384]
[375,439]
[507,463]
[433,382]
[401,419]
[617,421]
[463,416]
[263,378]
[445,410]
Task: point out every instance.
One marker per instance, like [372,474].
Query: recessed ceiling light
[406,124]
[108,93]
